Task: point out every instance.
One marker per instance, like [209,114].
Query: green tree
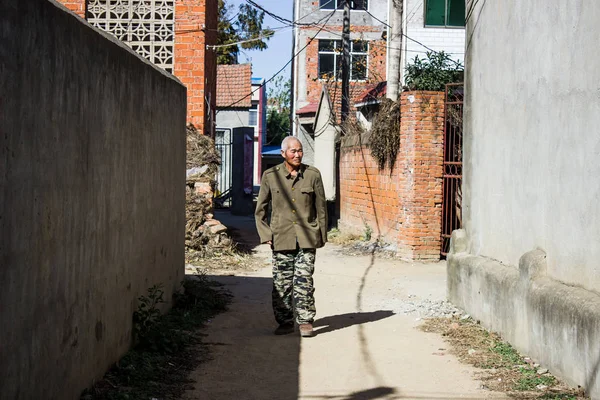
[280,93]
[433,72]
[278,126]
[243,25]
[278,117]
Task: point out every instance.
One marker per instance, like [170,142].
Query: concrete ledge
[555,324]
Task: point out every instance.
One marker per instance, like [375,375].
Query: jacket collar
[283,171]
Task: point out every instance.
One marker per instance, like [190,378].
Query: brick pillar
[77,6]
[420,179]
[195,27]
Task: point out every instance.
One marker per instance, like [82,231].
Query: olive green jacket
[298,209]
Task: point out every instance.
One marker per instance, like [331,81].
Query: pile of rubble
[204,235]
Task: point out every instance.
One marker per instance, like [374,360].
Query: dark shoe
[306,330]
[285,329]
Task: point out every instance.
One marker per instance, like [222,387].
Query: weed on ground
[167,347]
[504,369]
[336,236]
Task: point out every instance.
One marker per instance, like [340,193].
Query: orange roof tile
[234,82]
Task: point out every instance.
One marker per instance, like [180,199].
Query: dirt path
[365,348]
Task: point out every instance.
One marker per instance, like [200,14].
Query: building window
[330,59]
[339,4]
[253,117]
[147,26]
[445,13]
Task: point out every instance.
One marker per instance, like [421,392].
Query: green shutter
[435,13]
[456,12]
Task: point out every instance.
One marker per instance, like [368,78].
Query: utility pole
[346,62]
[394,49]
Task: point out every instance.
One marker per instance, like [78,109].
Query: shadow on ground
[242,230]
[336,322]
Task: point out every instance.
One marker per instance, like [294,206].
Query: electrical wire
[244,41]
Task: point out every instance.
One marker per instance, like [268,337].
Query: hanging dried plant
[385,134]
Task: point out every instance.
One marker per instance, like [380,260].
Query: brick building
[172,34]
[319,63]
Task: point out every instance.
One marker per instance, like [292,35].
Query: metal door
[224,146]
[452,178]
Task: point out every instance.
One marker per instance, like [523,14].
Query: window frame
[337,54]
[253,111]
[446,18]
[336,6]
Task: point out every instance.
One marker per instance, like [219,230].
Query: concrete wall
[92,158]
[232,118]
[451,40]
[531,144]
[531,167]
[325,138]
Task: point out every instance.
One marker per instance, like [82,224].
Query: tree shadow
[337,322]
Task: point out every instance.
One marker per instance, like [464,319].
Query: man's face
[293,154]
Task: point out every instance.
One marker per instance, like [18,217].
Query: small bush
[433,72]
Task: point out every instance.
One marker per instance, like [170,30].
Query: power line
[286,64]
[244,41]
[285,20]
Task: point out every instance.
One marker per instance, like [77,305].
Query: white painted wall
[450,40]
[532,140]
[325,136]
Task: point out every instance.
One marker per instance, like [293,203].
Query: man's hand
[269,242]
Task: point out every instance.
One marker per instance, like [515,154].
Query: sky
[267,62]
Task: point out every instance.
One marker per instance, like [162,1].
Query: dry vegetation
[504,369]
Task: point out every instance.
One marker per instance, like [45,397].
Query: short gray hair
[286,142]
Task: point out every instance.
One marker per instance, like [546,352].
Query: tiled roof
[308,109]
[234,82]
[372,93]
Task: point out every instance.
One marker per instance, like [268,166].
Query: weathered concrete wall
[531,136]
[326,135]
[232,118]
[557,325]
[308,146]
[92,159]
[531,167]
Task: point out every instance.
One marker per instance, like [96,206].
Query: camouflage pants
[293,285]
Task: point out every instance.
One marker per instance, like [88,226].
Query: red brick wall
[195,27]
[369,197]
[77,6]
[403,206]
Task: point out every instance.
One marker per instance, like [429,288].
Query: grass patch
[505,370]
[168,347]
[530,380]
[336,236]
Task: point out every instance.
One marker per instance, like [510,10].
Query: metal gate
[224,145]
[452,178]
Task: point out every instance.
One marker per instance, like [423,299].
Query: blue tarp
[271,150]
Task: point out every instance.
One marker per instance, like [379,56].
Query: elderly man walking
[297,227]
